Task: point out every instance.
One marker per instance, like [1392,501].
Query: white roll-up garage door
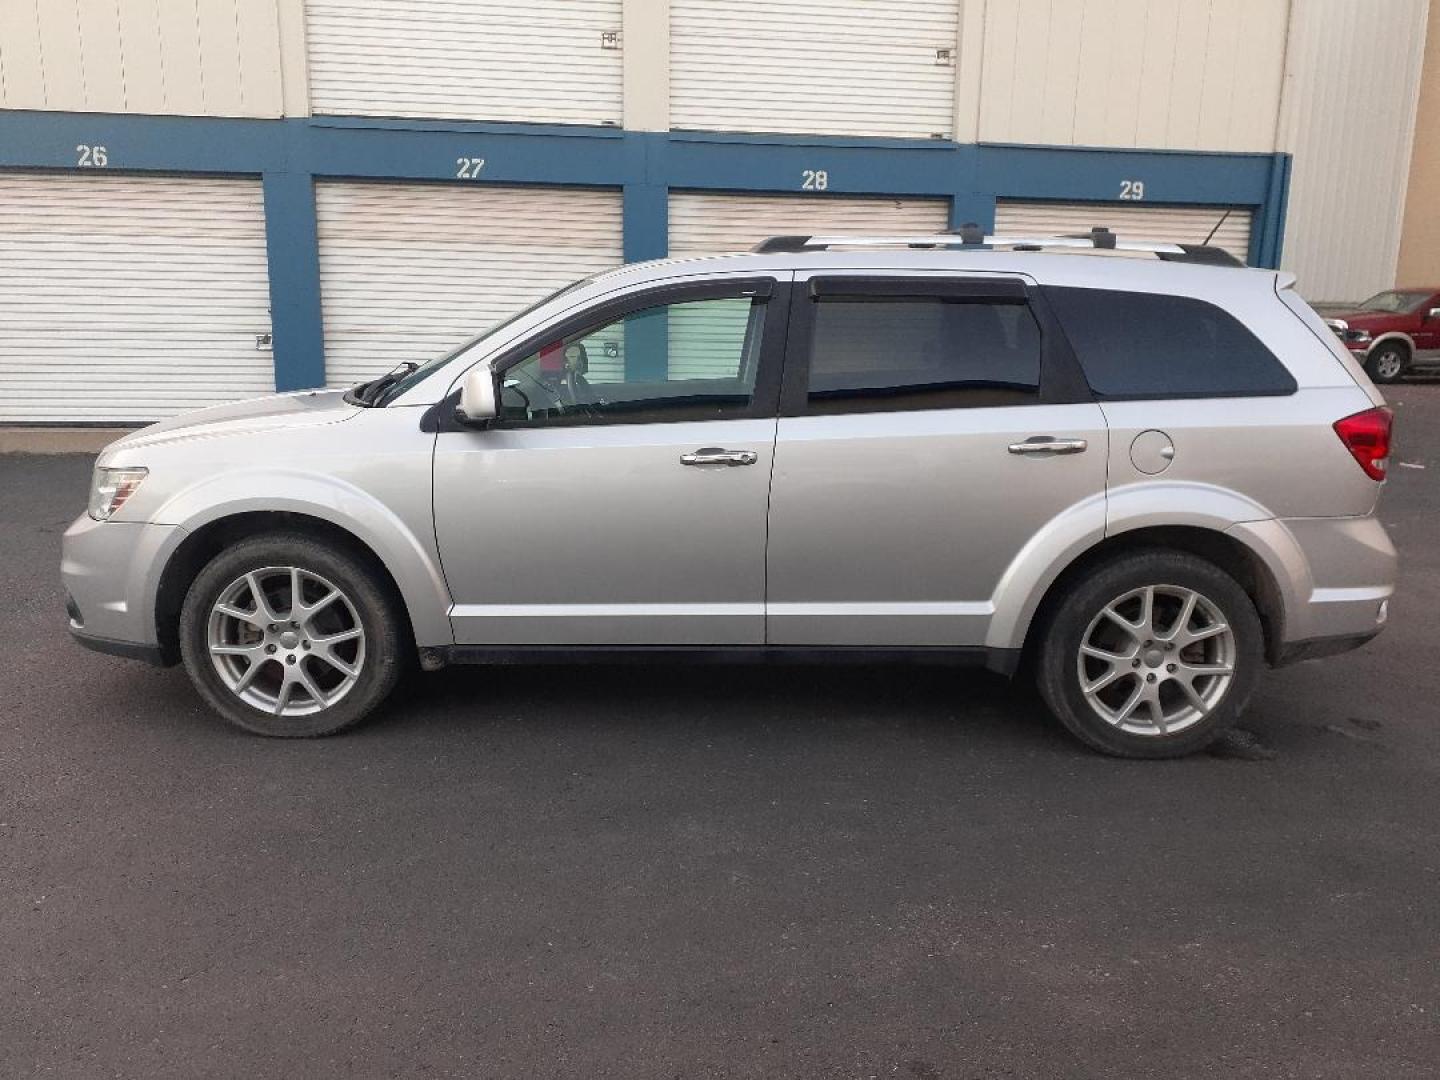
[466,59]
[840,67]
[702,223]
[1157,224]
[410,271]
[128,299]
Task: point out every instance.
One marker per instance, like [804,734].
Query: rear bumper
[1316,648]
[1335,576]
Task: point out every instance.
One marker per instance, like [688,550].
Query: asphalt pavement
[694,872]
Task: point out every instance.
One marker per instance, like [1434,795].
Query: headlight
[1357,337]
[110,489]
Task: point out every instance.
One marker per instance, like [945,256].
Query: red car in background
[1393,333]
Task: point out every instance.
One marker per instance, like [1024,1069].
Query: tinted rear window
[922,353]
[1147,345]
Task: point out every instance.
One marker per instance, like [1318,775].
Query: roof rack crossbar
[970,236]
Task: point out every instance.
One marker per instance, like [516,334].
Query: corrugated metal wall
[129,298]
[466,59]
[702,223]
[410,271]
[188,57]
[839,67]
[1353,79]
[1169,74]
[1332,81]
[1227,228]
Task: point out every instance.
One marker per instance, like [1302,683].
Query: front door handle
[1048,444]
[713,455]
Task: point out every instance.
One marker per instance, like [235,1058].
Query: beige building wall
[1420,235]
[1349,121]
[186,57]
[645,39]
[1158,74]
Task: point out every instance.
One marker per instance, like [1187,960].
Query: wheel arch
[1250,568]
[206,540]
[1393,337]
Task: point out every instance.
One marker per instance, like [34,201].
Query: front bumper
[111,572]
[148,654]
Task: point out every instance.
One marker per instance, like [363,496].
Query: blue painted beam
[1083,174]
[734,164]
[589,156]
[646,199]
[598,156]
[293,248]
[50,140]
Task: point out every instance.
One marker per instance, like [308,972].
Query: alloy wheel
[286,641]
[1156,660]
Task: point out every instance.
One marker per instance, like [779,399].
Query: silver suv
[1142,476]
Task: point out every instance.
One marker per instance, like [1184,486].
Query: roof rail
[970,236]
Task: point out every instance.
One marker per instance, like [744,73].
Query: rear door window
[881,354]
[1151,345]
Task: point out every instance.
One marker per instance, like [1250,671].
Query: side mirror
[477,396]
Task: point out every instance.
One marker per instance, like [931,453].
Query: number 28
[814,180]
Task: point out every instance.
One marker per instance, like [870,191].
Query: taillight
[1367,436]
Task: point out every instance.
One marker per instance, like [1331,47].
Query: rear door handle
[1048,444]
[713,455]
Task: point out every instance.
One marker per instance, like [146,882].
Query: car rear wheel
[289,637]
[1387,363]
[1152,655]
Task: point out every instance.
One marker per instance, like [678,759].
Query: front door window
[691,360]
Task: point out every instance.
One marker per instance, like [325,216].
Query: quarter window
[690,360]
[889,354]
[1150,345]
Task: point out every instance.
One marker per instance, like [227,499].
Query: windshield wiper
[367,394]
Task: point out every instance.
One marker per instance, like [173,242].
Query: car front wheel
[289,637]
[1152,655]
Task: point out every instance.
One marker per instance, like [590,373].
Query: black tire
[1387,355]
[385,644]
[1058,673]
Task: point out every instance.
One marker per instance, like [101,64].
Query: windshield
[430,367]
[1395,302]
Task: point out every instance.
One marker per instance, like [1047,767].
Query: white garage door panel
[476,60]
[1158,224]
[411,271]
[705,224]
[840,67]
[126,299]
